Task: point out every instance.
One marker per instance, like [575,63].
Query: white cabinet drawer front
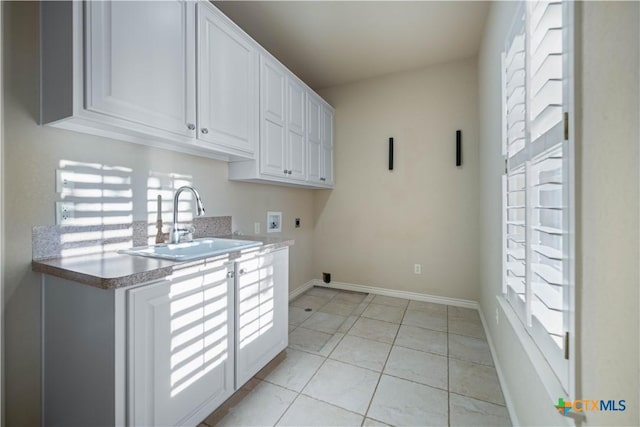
[227,83]
[140,62]
[181,351]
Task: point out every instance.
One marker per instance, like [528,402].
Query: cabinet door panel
[141,62]
[297,153]
[181,351]
[272,153]
[315,154]
[262,312]
[227,83]
[296,138]
[272,119]
[296,101]
[327,146]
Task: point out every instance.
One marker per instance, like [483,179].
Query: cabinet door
[327,146]
[262,311]
[181,347]
[296,139]
[272,118]
[140,63]
[227,83]
[315,156]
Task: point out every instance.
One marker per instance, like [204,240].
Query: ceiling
[327,43]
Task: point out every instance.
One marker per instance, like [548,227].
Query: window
[538,182]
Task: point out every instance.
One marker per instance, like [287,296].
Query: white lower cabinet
[181,346]
[163,353]
[261,312]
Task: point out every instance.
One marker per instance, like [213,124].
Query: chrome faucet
[177,233]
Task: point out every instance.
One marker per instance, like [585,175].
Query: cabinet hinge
[566,126]
[566,345]
[505,166]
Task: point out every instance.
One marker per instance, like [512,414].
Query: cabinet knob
[323,179]
[204,130]
[229,274]
[286,171]
[289,172]
[191,126]
[241,272]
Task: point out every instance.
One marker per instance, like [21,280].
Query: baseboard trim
[505,390]
[458,302]
[301,289]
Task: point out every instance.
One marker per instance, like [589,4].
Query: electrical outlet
[417,268]
[497,317]
[64,212]
[256,227]
[63,180]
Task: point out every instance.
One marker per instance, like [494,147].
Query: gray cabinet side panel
[56,56]
[79,367]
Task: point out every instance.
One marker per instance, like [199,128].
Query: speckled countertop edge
[96,270]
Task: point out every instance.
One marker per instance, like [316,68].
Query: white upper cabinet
[283,148]
[140,64]
[327,146]
[272,118]
[320,136]
[227,84]
[296,147]
[180,75]
[314,108]
[296,133]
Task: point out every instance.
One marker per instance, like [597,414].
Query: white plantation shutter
[537,181]
[514,79]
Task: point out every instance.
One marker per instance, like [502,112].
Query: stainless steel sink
[196,249]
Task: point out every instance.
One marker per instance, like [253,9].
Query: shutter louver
[535,203]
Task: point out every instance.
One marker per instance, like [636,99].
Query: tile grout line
[373,395]
[316,371]
[392,344]
[310,378]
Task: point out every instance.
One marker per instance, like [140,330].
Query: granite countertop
[112,270]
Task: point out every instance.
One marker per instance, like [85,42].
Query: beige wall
[31,155]
[609,84]
[377,223]
[607,214]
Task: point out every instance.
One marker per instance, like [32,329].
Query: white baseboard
[505,390]
[301,289]
[458,302]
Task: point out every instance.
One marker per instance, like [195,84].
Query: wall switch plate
[64,212]
[256,227]
[274,222]
[417,268]
[297,222]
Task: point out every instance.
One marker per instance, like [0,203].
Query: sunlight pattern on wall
[102,199]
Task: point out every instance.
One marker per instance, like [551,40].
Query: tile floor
[367,360]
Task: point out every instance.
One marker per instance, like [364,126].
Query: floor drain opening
[307,309]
